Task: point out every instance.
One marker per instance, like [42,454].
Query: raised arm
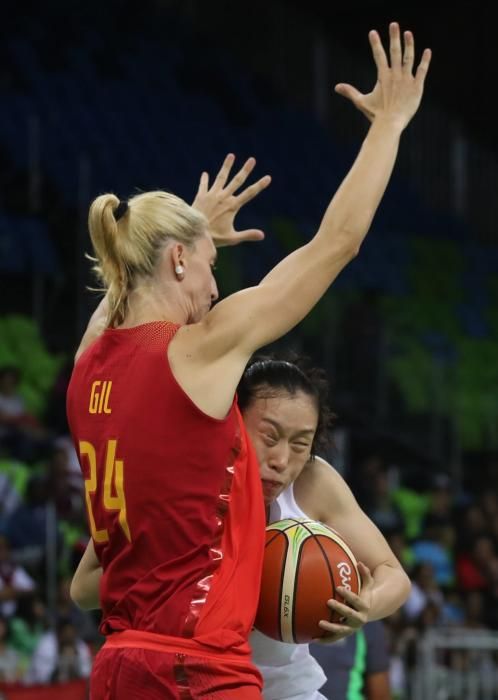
[254,317]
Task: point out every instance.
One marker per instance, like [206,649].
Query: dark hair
[265,376]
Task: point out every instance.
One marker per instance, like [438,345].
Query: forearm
[85,590]
[346,221]
[85,585]
[391,589]
[350,213]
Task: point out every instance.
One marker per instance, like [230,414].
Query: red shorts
[132,673]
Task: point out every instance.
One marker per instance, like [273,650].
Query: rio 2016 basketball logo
[345,574]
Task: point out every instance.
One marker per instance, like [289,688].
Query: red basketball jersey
[174,498]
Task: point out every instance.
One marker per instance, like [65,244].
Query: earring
[179,270]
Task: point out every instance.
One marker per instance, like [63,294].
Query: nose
[278,457]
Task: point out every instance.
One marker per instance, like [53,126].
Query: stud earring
[179,270]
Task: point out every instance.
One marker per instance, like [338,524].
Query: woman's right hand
[397,92]
[220,204]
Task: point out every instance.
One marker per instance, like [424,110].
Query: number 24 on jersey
[113,492]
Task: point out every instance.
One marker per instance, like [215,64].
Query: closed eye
[300,446]
[270,440]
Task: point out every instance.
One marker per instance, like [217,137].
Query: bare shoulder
[209,378]
[96,326]
[319,489]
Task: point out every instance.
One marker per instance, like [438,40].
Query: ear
[178,260]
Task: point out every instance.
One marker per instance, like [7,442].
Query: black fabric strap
[121,210]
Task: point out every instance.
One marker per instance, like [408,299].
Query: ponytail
[127,238]
[110,267]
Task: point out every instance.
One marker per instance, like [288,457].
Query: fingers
[204,183]
[224,172]
[395,47]
[349,615]
[423,67]
[349,92]
[336,628]
[366,575]
[409,52]
[252,191]
[250,234]
[378,51]
[354,601]
[241,176]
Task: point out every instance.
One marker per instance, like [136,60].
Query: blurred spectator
[439,513]
[65,443]
[21,434]
[362,475]
[26,527]
[10,663]
[356,666]
[453,609]
[472,525]
[64,491]
[84,622]
[435,548]
[384,513]
[402,550]
[474,568]
[14,580]
[424,591]
[28,625]
[474,610]
[491,596]
[60,656]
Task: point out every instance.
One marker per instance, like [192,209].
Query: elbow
[406,588]
[348,245]
[77,595]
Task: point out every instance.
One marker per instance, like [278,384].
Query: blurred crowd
[44,637]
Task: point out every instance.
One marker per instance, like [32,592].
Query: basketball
[304,563]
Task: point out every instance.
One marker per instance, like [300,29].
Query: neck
[146,305]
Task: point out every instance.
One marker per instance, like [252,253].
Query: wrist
[394,124]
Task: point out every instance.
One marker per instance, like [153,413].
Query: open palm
[220,203]
[397,92]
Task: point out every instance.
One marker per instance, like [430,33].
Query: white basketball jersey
[289,671]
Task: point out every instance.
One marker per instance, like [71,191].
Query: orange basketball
[305,561]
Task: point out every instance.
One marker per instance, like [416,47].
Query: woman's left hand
[220,204]
[354,614]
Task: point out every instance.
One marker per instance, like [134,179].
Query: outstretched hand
[220,204]
[397,92]
[354,612]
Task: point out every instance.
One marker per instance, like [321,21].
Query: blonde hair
[128,249]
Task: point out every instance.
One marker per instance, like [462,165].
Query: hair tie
[121,210]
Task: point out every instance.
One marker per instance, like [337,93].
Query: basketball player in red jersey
[171,482]
[285,410]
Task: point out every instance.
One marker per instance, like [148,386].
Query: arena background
[124,96]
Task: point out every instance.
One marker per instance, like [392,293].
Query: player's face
[282,429]
[200,283]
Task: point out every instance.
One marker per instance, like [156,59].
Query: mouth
[271,486]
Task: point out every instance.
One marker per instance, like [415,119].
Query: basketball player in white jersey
[284,405]
[285,412]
